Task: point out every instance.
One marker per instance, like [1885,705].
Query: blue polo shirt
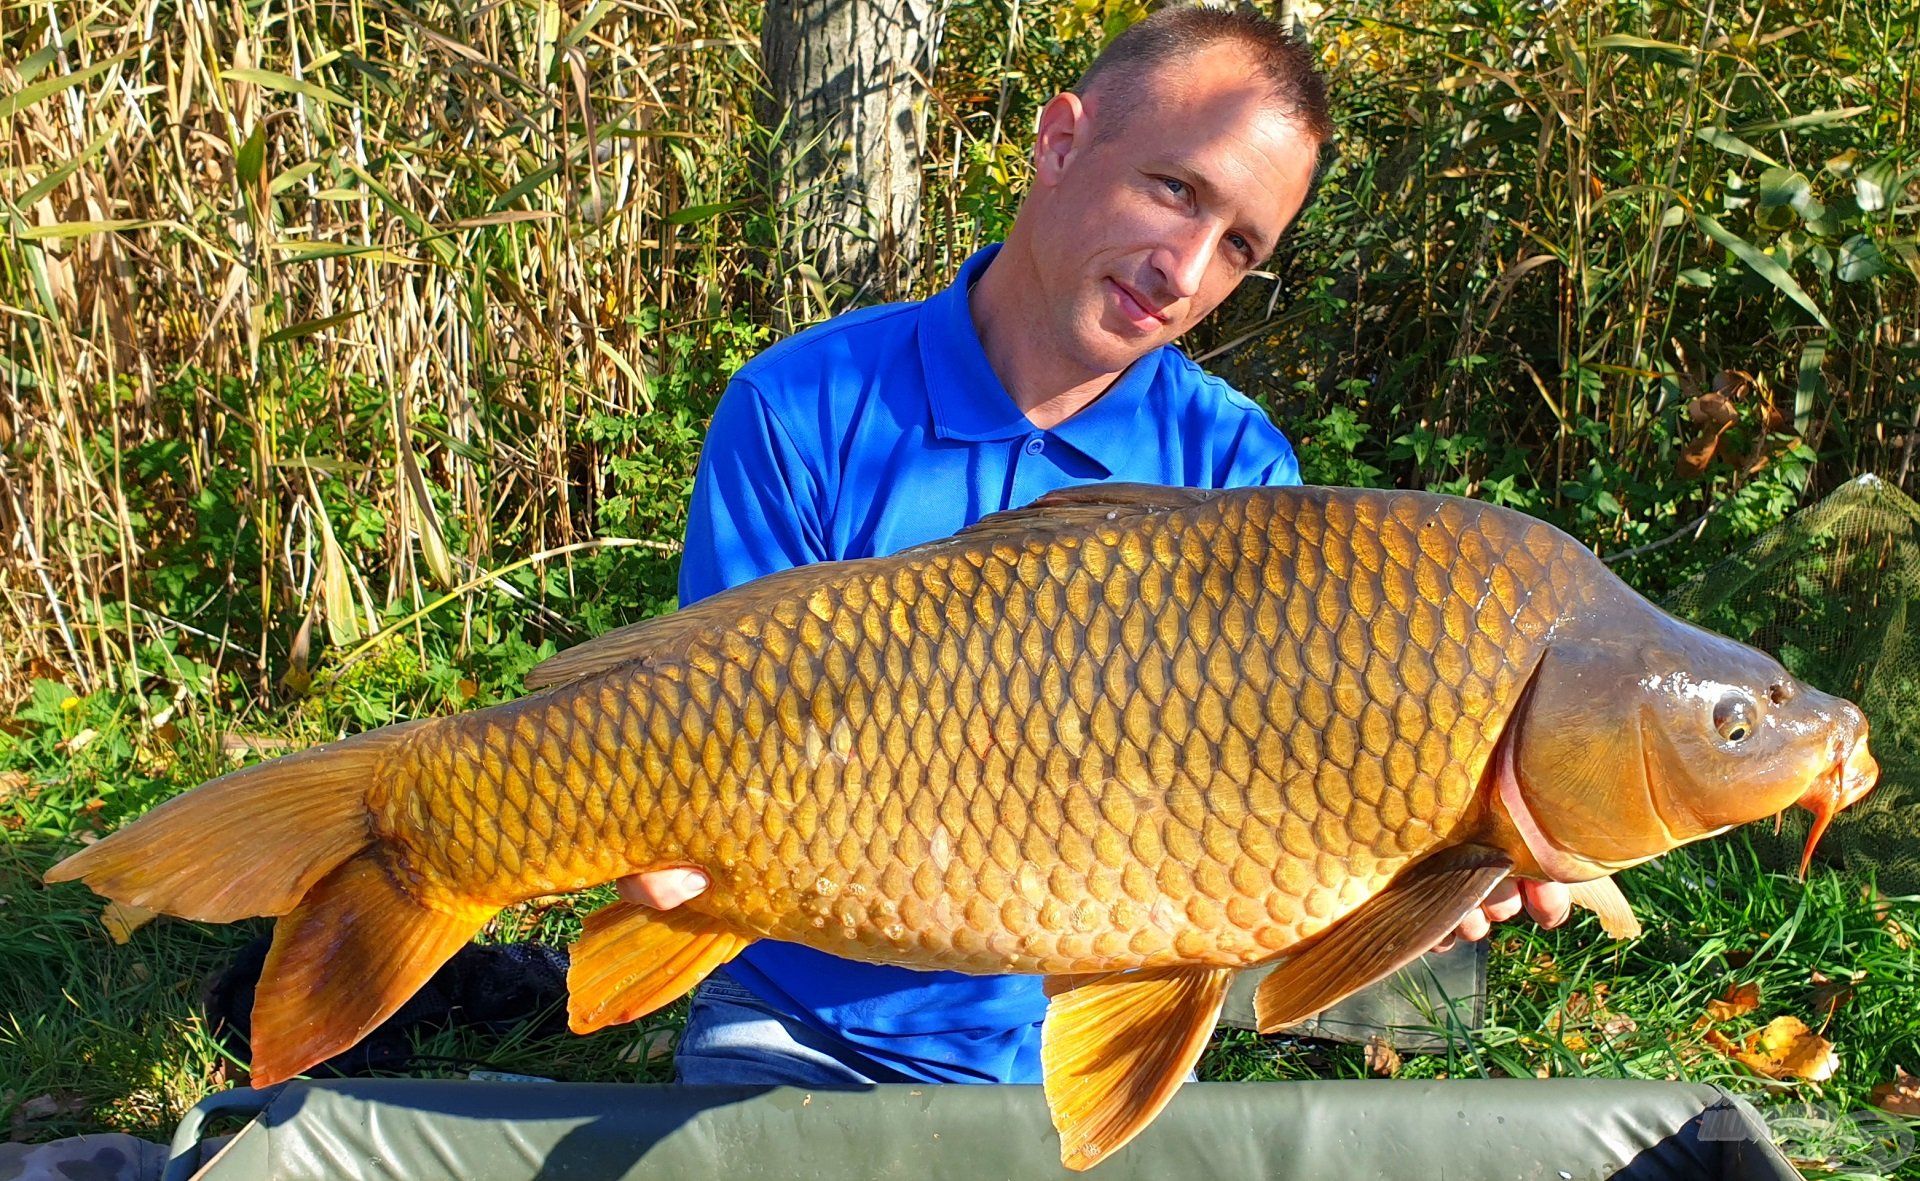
[881,429]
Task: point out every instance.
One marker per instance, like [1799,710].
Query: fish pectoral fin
[633,959]
[1602,896]
[356,948]
[1420,907]
[1117,1045]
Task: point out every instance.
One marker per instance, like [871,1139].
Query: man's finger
[1503,903]
[662,889]
[1473,927]
[1548,902]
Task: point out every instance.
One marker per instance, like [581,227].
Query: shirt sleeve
[756,499]
[1260,456]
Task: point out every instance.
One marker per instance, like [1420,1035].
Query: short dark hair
[1122,70]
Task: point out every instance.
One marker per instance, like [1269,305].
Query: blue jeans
[733,1038]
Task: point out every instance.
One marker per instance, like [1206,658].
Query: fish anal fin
[1602,896]
[633,959]
[1420,907]
[1117,1045]
[354,950]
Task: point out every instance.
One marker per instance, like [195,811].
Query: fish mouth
[1839,787]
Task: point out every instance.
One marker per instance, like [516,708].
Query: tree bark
[848,106]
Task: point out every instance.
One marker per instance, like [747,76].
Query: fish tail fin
[252,842]
[351,953]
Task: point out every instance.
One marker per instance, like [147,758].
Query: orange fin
[249,843]
[1385,933]
[1115,1048]
[1602,896]
[354,950]
[634,959]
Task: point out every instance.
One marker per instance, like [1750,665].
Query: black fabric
[498,988]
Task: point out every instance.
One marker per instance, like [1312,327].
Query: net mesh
[1834,592]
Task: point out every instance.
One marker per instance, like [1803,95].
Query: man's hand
[1547,902]
[662,889]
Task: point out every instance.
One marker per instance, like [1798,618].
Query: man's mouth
[1136,310]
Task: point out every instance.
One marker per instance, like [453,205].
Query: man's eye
[1241,244]
[1177,187]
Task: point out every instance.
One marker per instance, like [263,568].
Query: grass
[114,1035]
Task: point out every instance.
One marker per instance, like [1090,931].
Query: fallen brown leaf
[1830,996]
[122,921]
[52,1105]
[1382,1060]
[1737,1001]
[12,781]
[1901,1096]
[1711,414]
[1786,1048]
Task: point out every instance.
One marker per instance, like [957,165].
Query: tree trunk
[848,103]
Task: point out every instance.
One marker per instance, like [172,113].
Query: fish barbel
[1132,738]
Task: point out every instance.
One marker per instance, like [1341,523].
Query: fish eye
[1733,717]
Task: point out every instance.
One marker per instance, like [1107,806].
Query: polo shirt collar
[970,404]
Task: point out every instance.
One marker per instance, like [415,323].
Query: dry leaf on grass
[122,921]
[1785,1049]
[1830,996]
[11,781]
[1382,1060]
[1901,1096]
[1737,1001]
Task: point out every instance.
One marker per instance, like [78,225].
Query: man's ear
[1063,130]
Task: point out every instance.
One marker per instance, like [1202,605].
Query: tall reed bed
[339,329]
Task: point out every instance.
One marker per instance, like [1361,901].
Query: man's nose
[1184,258]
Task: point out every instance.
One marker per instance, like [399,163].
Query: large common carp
[1130,737]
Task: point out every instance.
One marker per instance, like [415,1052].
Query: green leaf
[252,156]
[1860,260]
[309,327]
[1872,184]
[1645,49]
[695,213]
[1762,264]
[1726,141]
[59,175]
[275,81]
[1784,186]
[1810,119]
[84,229]
[1812,383]
[26,96]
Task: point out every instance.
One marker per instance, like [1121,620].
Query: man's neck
[1046,388]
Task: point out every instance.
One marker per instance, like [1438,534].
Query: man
[1159,182]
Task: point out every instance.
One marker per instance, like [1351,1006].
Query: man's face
[1143,233]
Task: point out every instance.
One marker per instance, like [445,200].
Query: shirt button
[1036,445]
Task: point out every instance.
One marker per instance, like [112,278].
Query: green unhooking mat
[421,1130]
[1834,592]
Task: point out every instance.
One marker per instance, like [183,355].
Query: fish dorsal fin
[631,960]
[665,636]
[1420,907]
[1085,505]
[1602,896]
[1117,1045]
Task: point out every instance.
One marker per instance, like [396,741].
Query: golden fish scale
[1190,736]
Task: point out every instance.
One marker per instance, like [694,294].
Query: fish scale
[1116,711]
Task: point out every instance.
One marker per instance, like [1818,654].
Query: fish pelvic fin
[354,950]
[633,959]
[1388,931]
[1602,896]
[252,842]
[1117,1045]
